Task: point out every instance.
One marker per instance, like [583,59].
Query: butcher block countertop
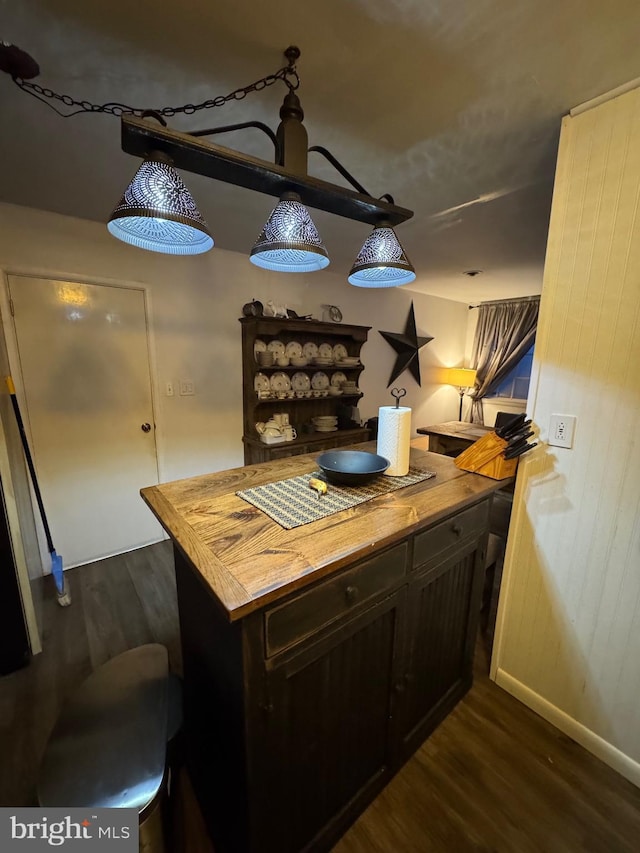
[247,560]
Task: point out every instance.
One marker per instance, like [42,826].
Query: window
[515,384]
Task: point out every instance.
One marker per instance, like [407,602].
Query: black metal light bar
[192,154]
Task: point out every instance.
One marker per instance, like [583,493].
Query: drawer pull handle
[457,530]
[351,593]
[267,707]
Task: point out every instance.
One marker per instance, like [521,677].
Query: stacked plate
[349,361]
[293,350]
[319,361]
[350,388]
[325,423]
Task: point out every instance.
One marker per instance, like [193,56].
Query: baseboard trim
[592,742]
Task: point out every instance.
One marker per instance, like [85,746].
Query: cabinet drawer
[294,621]
[445,537]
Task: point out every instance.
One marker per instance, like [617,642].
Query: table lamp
[463,378]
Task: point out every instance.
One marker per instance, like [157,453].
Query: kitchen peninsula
[317,659]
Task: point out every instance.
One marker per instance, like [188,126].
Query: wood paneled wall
[568,638]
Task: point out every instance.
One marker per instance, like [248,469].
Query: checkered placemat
[292,502]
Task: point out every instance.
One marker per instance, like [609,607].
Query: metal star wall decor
[407,346]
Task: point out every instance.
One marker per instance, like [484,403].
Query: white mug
[281,418]
[290,433]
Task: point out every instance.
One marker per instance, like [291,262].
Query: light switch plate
[561,430]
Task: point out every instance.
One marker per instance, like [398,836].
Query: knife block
[485,457]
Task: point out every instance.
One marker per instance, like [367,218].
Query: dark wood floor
[493,777]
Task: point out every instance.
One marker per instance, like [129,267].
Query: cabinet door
[327,731]
[442,618]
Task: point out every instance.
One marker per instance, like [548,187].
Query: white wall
[568,638]
[195,306]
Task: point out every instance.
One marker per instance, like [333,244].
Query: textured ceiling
[452,106]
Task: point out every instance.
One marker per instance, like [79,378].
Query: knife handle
[518,451]
[513,450]
[516,439]
[514,430]
[514,423]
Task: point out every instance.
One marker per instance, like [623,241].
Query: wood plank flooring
[496,777]
[493,777]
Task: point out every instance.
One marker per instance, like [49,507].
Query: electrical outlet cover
[561,430]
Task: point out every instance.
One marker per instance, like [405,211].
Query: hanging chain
[287,74]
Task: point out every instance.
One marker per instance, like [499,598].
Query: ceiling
[452,106]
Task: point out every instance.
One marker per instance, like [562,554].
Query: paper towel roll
[394,436]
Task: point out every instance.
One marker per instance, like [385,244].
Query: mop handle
[32,470]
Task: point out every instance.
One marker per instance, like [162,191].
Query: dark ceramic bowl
[351,467]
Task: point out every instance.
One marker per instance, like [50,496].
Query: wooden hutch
[301,411]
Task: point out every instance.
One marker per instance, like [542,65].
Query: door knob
[146,427]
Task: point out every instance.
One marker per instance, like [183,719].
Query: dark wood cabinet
[442,616]
[442,613]
[301,411]
[328,719]
[299,713]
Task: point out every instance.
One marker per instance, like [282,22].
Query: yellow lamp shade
[462,377]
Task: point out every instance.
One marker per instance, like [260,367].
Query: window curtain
[504,333]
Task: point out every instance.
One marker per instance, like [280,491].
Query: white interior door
[86,382]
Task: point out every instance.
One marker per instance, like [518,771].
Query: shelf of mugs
[271,397]
[293,395]
[276,430]
[307,435]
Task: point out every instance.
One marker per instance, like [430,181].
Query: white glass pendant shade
[157,212]
[381,261]
[290,242]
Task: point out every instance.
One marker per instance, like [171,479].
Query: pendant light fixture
[289,242]
[157,212]
[381,261]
